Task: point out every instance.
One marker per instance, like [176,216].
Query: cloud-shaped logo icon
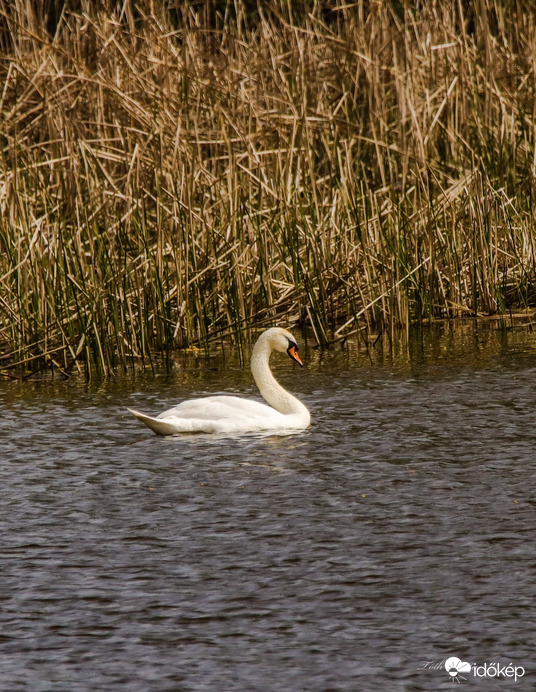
[454,667]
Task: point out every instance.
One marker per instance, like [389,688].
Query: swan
[231,414]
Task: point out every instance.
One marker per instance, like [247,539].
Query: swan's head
[281,340]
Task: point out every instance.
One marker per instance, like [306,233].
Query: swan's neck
[273,393]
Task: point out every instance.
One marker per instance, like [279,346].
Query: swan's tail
[157,425]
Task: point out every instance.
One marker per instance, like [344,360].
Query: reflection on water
[398,529]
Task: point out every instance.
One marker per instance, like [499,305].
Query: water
[398,529]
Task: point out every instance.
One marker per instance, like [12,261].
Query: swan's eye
[292,350]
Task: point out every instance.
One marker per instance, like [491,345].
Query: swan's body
[231,414]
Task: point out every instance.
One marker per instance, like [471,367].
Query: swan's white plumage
[231,414]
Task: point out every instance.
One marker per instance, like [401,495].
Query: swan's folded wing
[217,408]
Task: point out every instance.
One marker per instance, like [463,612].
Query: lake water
[397,532]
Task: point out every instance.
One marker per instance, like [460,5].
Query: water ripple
[398,529]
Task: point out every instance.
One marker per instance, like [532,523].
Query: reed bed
[177,173]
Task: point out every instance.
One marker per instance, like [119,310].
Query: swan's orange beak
[293,353]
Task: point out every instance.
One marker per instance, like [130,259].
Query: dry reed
[174,173]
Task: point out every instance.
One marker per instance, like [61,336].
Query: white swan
[231,414]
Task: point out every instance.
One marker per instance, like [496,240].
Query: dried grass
[174,173]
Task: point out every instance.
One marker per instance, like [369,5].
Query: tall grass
[175,173]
